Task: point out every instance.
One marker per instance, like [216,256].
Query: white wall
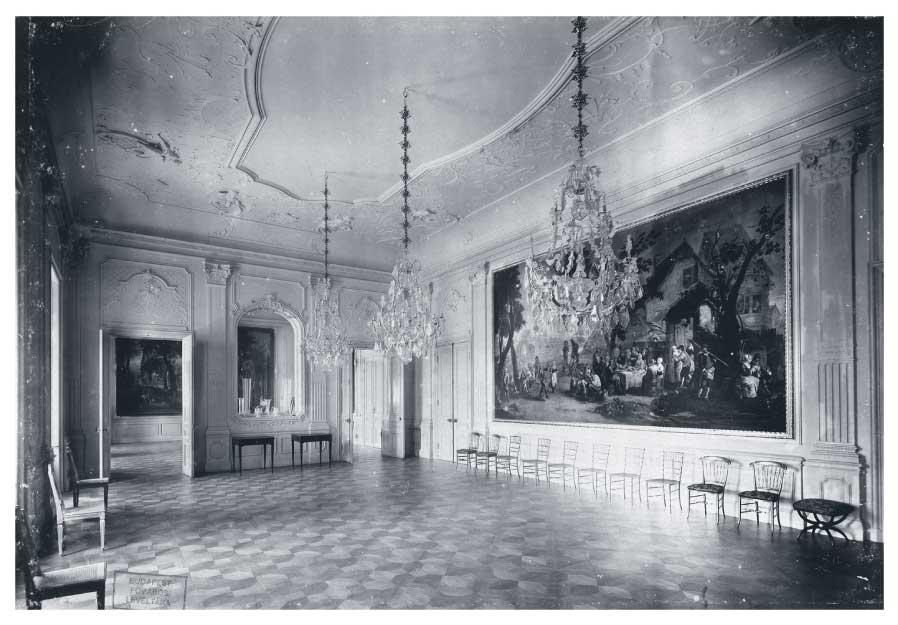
[144,284]
[799,115]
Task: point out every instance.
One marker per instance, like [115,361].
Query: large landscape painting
[705,347]
[147,377]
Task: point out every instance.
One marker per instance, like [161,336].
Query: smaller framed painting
[147,377]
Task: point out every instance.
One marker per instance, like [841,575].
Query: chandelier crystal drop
[403,325]
[326,344]
[581,286]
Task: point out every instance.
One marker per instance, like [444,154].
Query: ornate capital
[831,158]
[217,273]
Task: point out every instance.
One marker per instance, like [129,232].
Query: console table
[827,514]
[239,442]
[302,439]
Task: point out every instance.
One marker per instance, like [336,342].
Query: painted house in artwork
[673,310]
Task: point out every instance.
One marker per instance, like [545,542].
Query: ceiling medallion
[403,325]
[326,344]
[581,286]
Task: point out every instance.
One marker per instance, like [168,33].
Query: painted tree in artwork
[726,262]
[508,317]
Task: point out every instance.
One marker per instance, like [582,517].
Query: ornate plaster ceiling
[220,129]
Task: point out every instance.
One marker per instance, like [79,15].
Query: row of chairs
[768,475]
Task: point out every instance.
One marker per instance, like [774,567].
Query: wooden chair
[491,453]
[531,465]
[600,455]
[79,484]
[669,482]
[768,477]
[567,464]
[40,585]
[468,453]
[715,471]
[89,511]
[634,458]
[512,458]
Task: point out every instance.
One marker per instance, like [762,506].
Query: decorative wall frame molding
[134,293]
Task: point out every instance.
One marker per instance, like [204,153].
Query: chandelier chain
[579,73]
[405,161]
[326,227]
[403,325]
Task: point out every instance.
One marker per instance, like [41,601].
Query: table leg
[272,456]
[329,445]
[233,458]
[292,447]
[264,454]
[240,453]
[301,445]
[319,451]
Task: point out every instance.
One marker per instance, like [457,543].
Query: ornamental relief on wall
[144,294]
[357,307]
[451,299]
[249,288]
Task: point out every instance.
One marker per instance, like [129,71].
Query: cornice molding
[685,107]
[231,255]
[634,193]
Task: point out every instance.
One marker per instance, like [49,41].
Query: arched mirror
[269,366]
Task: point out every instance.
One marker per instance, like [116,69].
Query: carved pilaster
[218,402]
[828,307]
[217,274]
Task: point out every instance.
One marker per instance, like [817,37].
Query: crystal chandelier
[403,325]
[326,343]
[581,286]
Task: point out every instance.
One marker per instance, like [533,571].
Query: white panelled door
[371,397]
[461,392]
[444,422]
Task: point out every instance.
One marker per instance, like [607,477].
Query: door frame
[106,395]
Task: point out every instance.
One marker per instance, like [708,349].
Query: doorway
[146,400]
[370,397]
[452,382]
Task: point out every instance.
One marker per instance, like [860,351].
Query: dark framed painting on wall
[707,346]
[255,362]
[147,377]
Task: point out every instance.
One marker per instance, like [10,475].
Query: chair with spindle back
[485,456]
[567,464]
[512,459]
[468,453]
[669,482]
[634,458]
[600,454]
[531,466]
[715,471]
[768,478]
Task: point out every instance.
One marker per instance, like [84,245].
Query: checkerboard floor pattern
[415,533]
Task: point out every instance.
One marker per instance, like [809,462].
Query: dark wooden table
[239,442]
[302,439]
[827,515]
